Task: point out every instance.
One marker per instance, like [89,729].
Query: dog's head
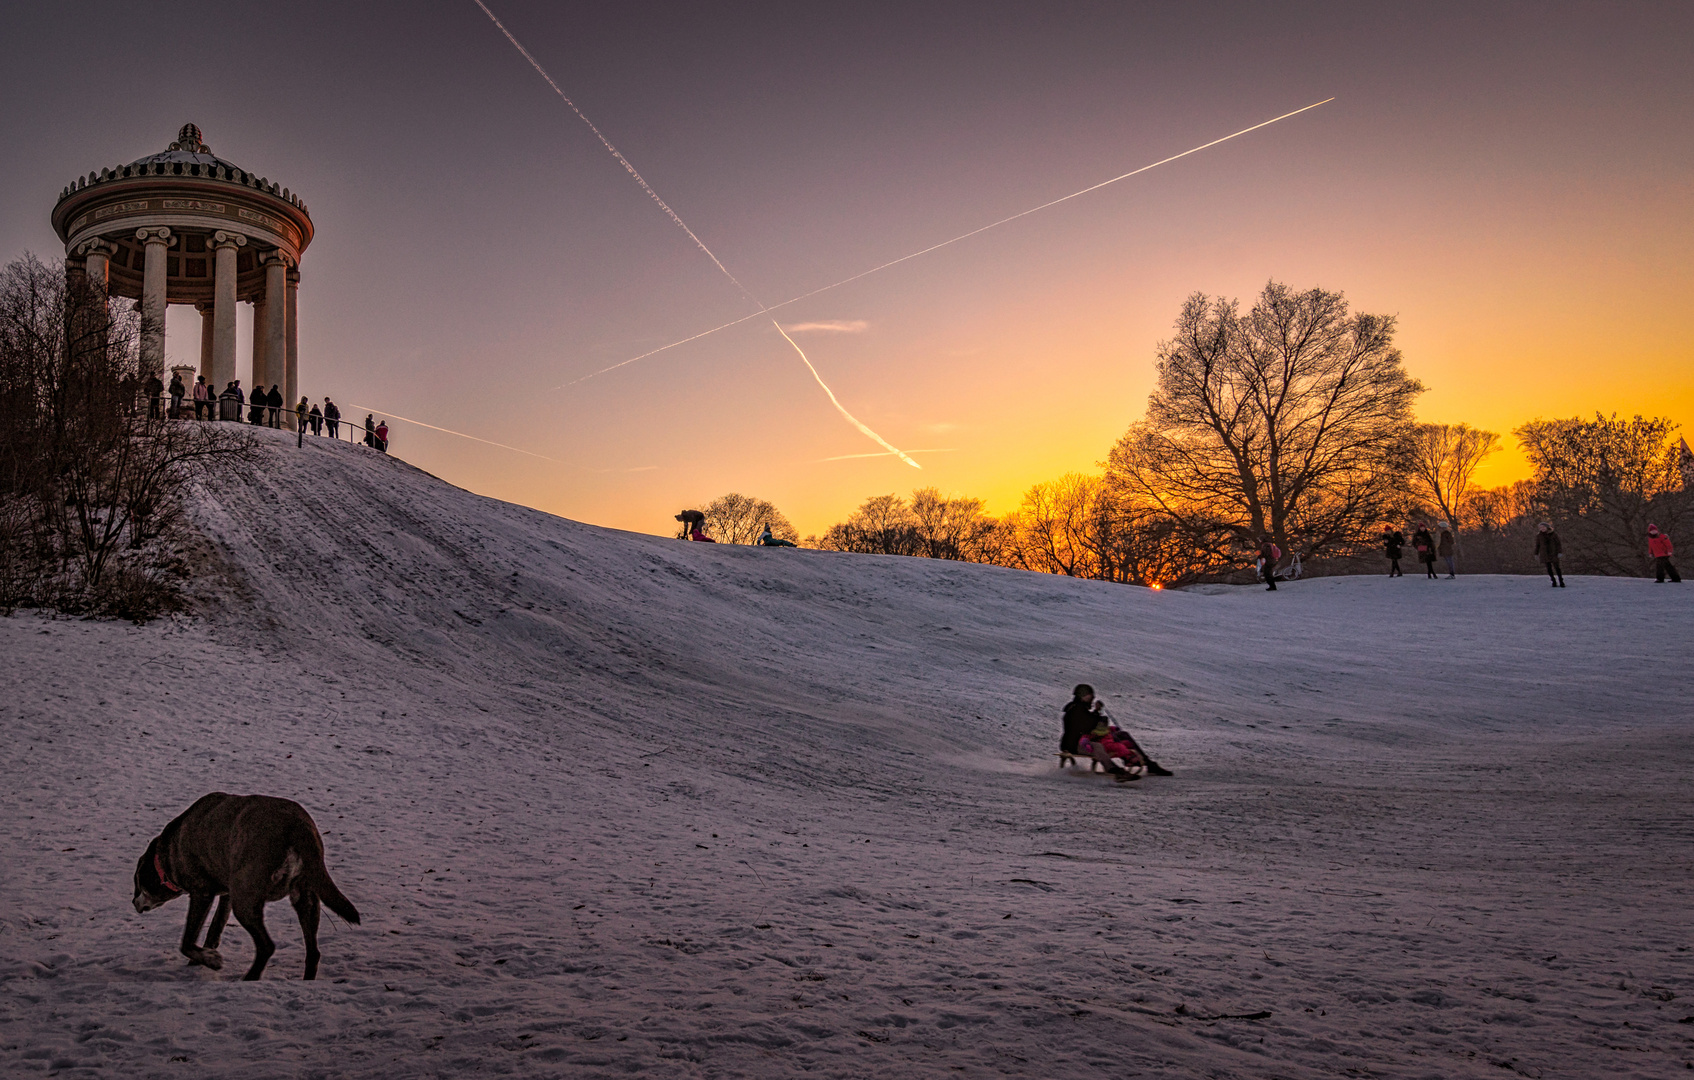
[151,891]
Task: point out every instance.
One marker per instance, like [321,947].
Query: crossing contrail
[460,434]
[942,244]
[701,244]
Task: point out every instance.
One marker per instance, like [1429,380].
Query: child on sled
[1089,732]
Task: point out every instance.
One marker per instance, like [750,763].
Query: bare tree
[1444,458]
[739,519]
[882,525]
[1292,420]
[953,527]
[1604,480]
[1057,527]
[82,478]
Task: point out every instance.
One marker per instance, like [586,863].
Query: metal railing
[276,417]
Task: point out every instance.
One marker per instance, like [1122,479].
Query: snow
[613,804]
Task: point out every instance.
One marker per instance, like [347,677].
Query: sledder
[1090,733]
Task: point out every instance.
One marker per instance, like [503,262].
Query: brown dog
[245,850]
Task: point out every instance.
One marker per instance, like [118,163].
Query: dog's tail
[310,847]
[331,896]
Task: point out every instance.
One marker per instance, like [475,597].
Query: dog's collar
[159,869]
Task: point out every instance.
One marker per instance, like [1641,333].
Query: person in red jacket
[1661,549]
[1269,553]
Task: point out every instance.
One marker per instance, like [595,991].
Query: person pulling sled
[694,526]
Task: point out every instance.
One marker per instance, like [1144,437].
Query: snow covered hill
[612,804]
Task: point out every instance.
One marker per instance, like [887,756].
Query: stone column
[291,331]
[207,323]
[261,362]
[95,269]
[227,244]
[98,263]
[276,340]
[156,240]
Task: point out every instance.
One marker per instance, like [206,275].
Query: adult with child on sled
[1090,733]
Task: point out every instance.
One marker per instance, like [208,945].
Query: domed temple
[186,227]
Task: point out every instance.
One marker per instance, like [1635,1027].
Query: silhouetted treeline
[1294,422]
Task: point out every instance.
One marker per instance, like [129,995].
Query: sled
[1131,772]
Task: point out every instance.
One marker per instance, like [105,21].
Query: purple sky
[1513,180]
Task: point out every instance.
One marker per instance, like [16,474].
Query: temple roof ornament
[189,140]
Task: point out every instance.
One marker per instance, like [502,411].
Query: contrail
[701,244]
[944,243]
[491,442]
[460,434]
[855,421]
[884,453]
[645,186]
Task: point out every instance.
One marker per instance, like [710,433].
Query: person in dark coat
[370,431]
[177,392]
[256,406]
[229,402]
[1444,548]
[273,401]
[1424,544]
[1393,541]
[1269,553]
[1661,549]
[316,419]
[691,520]
[332,417]
[155,388]
[1547,548]
[1081,716]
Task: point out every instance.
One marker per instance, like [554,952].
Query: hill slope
[611,803]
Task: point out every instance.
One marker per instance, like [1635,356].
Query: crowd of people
[262,408]
[1430,546]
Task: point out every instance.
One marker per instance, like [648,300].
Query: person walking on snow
[332,417]
[1661,549]
[176,390]
[370,431]
[1393,540]
[1444,548]
[201,395]
[382,436]
[273,402]
[1547,548]
[1269,553]
[316,419]
[1424,544]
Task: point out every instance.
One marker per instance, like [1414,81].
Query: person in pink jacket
[1661,549]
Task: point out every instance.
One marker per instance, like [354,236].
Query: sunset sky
[1513,181]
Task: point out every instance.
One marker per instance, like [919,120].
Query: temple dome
[189,149]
